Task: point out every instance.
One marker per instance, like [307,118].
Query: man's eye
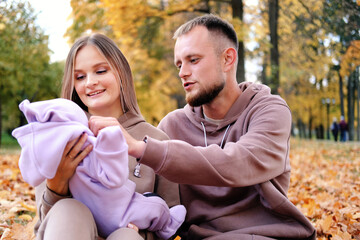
[193,60]
[178,67]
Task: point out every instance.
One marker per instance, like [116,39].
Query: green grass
[9,144]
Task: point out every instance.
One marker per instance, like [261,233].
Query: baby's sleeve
[109,159]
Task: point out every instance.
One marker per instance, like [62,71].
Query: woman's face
[96,84]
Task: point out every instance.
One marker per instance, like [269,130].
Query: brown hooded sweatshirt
[235,174]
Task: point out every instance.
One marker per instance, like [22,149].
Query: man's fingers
[96,123]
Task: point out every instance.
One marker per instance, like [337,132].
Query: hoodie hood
[54,110]
[130,119]
[250,92]
[37,140]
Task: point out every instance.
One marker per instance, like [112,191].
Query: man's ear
[229,58]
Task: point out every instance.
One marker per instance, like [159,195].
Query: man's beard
[205,96]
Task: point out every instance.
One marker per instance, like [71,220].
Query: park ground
[325,186]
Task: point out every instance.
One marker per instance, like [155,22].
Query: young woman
[98,78]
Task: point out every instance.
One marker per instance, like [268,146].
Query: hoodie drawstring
[204,133]
[222,141]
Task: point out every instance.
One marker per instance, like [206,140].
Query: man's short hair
[213,24]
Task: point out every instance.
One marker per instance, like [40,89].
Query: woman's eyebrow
[94,66]
[99,64]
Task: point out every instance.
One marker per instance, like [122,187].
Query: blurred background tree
[308,52]
[25,71]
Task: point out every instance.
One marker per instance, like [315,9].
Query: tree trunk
[351,107]
[323,119]
[238,12]
[357,82]
[264,79]
[341,92]
[310,124]
[274,52]
[302,128]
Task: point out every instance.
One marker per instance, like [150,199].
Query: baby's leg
[153,214]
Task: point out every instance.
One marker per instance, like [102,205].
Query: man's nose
[184,71]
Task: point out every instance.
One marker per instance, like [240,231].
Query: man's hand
[96,123]
[135,148]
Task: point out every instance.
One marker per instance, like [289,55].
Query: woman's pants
[70,219]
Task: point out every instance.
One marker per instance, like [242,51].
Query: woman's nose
[91,80]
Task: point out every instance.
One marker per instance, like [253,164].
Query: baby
[101,179]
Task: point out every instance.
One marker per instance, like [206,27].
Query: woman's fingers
[82,155]
[69,146]
[71,157]
[76,147]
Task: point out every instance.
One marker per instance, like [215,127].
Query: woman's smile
[96,93]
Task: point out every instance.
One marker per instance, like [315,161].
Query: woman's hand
[71,158]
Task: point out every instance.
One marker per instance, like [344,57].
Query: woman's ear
[229,57]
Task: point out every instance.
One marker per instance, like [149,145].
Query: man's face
[199,66]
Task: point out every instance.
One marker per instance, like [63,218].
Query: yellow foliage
[304,57]
[241,29]
[25,217]
[155,81]
[126,16]
[28,207]
[351,58]
[2,26]
[143,30]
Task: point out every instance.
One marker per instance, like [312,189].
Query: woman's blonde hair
[117,62]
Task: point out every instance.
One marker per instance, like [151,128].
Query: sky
[52,18]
